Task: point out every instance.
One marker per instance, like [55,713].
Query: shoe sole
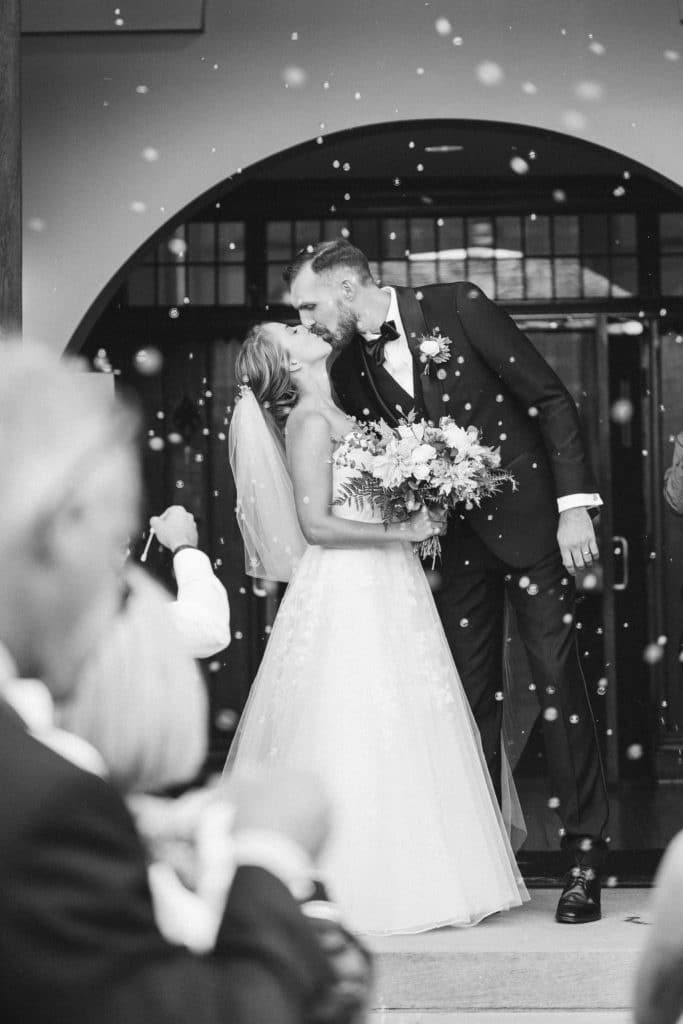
[575,920]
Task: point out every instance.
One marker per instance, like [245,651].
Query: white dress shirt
[398,361]
[201,610]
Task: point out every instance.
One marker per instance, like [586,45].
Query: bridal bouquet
[400,469]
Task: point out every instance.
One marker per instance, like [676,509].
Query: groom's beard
[342,336]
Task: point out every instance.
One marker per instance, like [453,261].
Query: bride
[357,681]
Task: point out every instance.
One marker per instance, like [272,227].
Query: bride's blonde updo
[263,365]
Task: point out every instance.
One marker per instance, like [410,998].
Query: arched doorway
[584,248]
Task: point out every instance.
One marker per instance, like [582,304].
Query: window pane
[231,241]
[537,235]
[539,281]
[173,247]
[279,240]
[509,234]
[509,279]
[450,270]
[201,284]
[140,286]
[479,233]
[394,237]
[171,284]
[450,234]
[394,272]
[422,272]
[200,242]
[365,234]
[566,235]
[149,254]
[595,277]
[480,272]
[567,278]
[306,232]
[422,234]
[671,233]
[623,228]
[624,276]
[672,275]
[594,233]
[231,286]
[275,285]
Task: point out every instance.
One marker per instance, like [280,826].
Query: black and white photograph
[341,512]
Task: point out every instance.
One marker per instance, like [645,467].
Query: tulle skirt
[358,684]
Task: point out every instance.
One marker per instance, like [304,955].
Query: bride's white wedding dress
[358,684]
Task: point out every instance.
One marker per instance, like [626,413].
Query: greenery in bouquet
[397,470]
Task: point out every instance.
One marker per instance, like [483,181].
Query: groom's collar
[392,314]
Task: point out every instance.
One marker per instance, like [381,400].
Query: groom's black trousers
[471,600]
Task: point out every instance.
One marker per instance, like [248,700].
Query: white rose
[423,453]
[421,471]
[430,348]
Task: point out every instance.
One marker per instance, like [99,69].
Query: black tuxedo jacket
[497,381]
[78,940]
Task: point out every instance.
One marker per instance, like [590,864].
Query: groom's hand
[576,539]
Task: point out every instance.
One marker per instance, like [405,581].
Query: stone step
[506,1017]
[519,966]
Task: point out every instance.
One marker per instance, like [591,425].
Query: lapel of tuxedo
[415,325]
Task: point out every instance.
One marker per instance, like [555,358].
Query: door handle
[621,548]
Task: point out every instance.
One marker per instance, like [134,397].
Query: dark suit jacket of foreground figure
[78,940]
[497,381]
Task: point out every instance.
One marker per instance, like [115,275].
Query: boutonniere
[434,348]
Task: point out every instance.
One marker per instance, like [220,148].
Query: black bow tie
[375,348]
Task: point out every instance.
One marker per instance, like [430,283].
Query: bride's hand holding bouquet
[419,466]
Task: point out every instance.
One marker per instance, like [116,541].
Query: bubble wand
[143,556]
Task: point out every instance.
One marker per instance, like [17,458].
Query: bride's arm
[309,448]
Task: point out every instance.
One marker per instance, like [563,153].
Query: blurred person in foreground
[673,478]
[79,941]
[658,994]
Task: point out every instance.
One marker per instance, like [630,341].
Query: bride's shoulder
[309,422]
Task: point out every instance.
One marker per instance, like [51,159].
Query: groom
[526,543]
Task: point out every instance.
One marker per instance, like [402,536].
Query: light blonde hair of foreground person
[141,700]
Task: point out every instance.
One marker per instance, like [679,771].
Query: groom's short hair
[328,256]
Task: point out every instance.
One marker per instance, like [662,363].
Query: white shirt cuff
[280,856]
[578,501]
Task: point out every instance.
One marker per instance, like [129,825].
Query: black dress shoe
[580,899]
